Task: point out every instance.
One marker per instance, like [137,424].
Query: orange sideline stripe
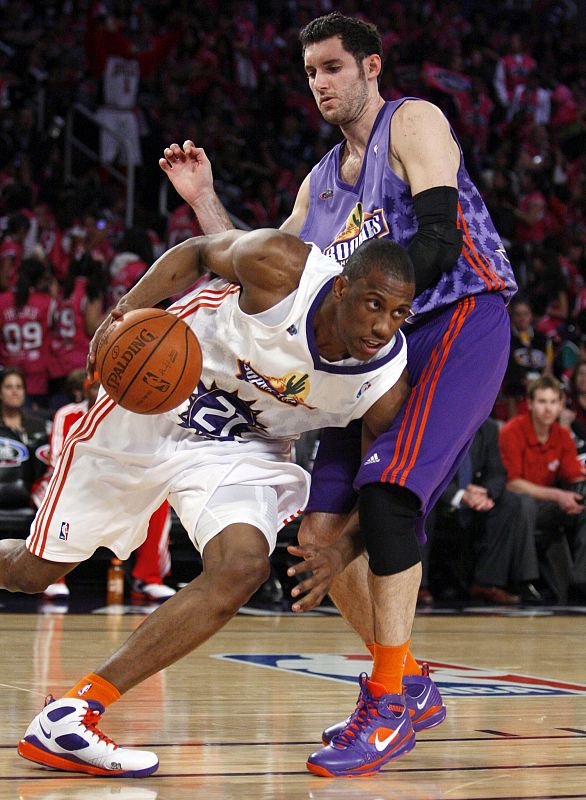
[479,270]
[49,504]
[424,384]
[417,398]
[463,317]
[486,268]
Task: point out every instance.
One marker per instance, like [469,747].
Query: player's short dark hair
[359,38]
[383,254]
[545,382]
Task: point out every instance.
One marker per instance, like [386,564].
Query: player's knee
[20,571]
[388,515]
[242,577]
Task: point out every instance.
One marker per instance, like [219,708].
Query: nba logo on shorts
[64,532]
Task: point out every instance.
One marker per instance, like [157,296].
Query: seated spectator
[25,321]
[540,458]
[501,532]
[531,354]
[22,436]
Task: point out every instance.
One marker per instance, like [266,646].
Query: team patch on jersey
[292,388]
[453,680]
[12,452]
[217,414]
[360,225]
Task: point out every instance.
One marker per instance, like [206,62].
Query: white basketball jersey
[121,79]
[268,380]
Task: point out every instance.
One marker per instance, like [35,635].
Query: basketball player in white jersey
[291,342]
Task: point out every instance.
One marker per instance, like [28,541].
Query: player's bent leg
[235,565]
[65,736]
[21,571]
[395,573]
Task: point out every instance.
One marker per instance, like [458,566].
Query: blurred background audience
[82,216]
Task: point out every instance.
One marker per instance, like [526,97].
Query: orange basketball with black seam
[149,361]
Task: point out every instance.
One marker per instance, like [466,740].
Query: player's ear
[340,287]
[373,65]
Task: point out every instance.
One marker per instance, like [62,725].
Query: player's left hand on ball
[115,313]
[324,563]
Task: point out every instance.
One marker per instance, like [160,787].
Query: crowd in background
[228,75]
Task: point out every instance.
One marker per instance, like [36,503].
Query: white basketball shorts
[117,467]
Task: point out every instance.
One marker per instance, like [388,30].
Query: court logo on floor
[453,680]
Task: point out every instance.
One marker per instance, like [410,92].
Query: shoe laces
[90,721]
[365,708]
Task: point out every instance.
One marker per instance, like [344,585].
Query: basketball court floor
[238,717]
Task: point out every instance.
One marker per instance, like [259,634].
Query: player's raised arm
[189,170]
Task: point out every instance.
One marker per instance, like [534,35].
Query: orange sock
[371,649]
[389,663]
[411,666]
[94,687]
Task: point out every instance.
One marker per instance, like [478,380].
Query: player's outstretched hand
[324,563]
[189,170]
[116,313]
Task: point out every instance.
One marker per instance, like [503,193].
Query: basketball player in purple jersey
[399,173]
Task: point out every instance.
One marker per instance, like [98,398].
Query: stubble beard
[351,106]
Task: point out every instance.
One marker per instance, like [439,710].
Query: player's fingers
[310,600]
[309,565]
[306,586]
[301,551]
[164,164]
[177,152]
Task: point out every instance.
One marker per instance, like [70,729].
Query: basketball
[149,361]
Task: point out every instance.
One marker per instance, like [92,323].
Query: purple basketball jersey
[340,217]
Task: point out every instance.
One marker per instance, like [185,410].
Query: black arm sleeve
[437,245]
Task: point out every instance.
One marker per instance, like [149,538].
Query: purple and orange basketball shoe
[423,700]
[65,736]
[378,731]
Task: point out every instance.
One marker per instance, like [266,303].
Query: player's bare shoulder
[270,259]
[413,115]
[422,149]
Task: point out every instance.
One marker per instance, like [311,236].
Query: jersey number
[28,336]
[230,413]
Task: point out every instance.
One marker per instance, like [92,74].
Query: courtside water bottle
[115,589]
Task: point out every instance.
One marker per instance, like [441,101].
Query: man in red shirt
[540,458]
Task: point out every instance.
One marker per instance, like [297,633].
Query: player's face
[370,312]
[12,392]
[337,82]
[545,407]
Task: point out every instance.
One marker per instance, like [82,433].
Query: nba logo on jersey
[64,532]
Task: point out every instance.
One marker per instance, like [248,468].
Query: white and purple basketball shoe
[65,736]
